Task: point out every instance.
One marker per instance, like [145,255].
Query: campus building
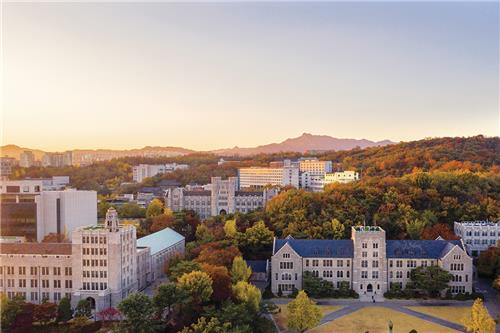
[478,235]
[341,177]
[273,176]
[141,171]
[368,262]
[103,264]
[220,197]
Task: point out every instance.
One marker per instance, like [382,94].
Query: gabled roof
[318,248]
[257,266]
[36,248]
[434,249]
[160,240]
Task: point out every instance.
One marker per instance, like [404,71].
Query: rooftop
[478,223]
[367,228]
[160,240]
[318,248]
[36,248]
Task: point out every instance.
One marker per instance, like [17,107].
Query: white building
[103,264]
[264,176]
[33,186]
[315,167]
[368,263]
[142,171]
[57,160]
[341,177]
[64,211]
[478,235]
[222,198]
[27,159]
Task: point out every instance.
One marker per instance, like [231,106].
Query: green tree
[197,284]
[174,272]
[83,309]
[247,293]
[432,279]
[303,313]
[203,234]
[338,229]
[64,312]
[9,310]
[240,270]
[211,326]
[480,320]
[139,313]
[256,238]
[415,228]
[155,208]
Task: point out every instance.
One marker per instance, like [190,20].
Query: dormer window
[286,255]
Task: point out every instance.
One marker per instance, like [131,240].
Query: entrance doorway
[91,301]
[369,288]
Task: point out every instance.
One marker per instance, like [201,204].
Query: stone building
[222,198]
[478,235]
[368,262]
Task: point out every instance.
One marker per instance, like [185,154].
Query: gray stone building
[368,262]
[219,197]
[478,235]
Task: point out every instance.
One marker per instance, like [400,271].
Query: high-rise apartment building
[27,159]
[141,171]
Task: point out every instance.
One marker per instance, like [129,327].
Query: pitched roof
[257,266]
[36,248]
[202,193]
[318,248]
[434,249]
[160,240]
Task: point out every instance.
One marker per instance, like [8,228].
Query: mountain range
[304,143]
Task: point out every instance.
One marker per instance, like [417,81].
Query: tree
[247,293]
[221,281]
[480,320]
[317,287]
[438,230]
[303,313]
[488,263]
[240,270]
[83,309]
[45,312]
[64,312]
[161,222]
[218,254]
[230,229]
[197,284]
[211,326]
[108,314]
[256,238]
[24,319]
[432,279]
[203,234]
[54,237]
[174,272]
[10,310]
[338,229]
[415,228]
[155,208]
[139,312]
[131,210]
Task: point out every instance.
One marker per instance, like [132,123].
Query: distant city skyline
[205,76]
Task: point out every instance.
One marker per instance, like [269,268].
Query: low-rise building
[141,171]
[264,176]
[368,263]
[341,177]
[478,235]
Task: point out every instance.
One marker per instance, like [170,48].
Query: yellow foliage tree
[480,320]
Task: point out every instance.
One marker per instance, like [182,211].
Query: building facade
[368,262]
[103,264]
[478,235]
[264,176]
[141,171]
[315,167]
[27,159]
[341,177]
[222,198]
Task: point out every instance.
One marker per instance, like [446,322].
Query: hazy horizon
[207,76]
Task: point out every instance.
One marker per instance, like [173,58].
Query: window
[364,274]
[57,270]
[390,263]
[375,275]
[375,263]
[22,283]
[364,245]
[364,254]
[399,263]
[399,275]
[34,283]
[67,271]
[45,271]
[68,284]
[375,245]
[364,263]
[315,263]
[33,270]
[34,296]
[286,255]
[327,263]
[340,274]
[45,283]
[375,254]
[340,263]
[22,270]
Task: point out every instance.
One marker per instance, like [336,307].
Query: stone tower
[112,221]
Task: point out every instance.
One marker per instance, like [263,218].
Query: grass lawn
[375,319]
[451,313]
[281,320]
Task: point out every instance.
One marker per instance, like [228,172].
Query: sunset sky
[205,76]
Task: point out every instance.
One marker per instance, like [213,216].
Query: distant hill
[304,143]
[15,151]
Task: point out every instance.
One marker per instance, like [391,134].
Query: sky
[215,75]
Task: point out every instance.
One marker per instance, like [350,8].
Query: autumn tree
[256,238]
[303,313]
[45,312]
[480,320]
[221,281]
[240,270]
[218,254]
[155,208]
[338,229]
[197,284]
[415,228]
[108,314]
[439,229]
[230,229]
[161,222]
[488,263]
[54,237]
[174,272]
[208,326]
[247,293]
[203,234]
